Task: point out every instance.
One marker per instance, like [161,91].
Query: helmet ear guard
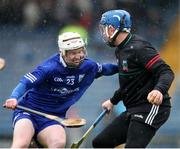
[70,41]
[122,25]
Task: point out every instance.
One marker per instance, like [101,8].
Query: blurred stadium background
[28,35]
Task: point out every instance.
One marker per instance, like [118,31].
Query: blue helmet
[119,19]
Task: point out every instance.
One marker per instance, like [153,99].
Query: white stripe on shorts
[152,114]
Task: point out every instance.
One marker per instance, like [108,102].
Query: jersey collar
[125,41]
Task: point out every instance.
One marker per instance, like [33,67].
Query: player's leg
[139,135]
[23,133]
[53,136]
[143,126]
[114,134]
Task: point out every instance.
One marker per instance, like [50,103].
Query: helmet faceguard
[70,41]
[109,40]
[118,19]
[104,32]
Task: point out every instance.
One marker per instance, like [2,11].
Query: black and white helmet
[70,41]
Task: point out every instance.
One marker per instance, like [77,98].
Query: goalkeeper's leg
[139,135]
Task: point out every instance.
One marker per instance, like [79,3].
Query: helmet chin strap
[113,37]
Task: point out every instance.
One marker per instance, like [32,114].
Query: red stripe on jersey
[152,61]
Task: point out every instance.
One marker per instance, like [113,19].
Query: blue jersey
[54,87]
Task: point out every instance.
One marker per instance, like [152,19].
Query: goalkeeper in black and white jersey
[144,80]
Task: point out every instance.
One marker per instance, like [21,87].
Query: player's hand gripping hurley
[74,122]
[78,143]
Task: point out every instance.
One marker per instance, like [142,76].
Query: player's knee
[135,144]
[103,142]
[97,143]
[57,144]
[20,145]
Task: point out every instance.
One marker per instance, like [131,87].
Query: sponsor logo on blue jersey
[64,91]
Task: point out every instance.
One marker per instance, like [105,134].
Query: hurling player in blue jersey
[52,87]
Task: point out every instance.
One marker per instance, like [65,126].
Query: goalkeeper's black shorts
[134,129]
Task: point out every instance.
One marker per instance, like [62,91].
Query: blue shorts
[39,122]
